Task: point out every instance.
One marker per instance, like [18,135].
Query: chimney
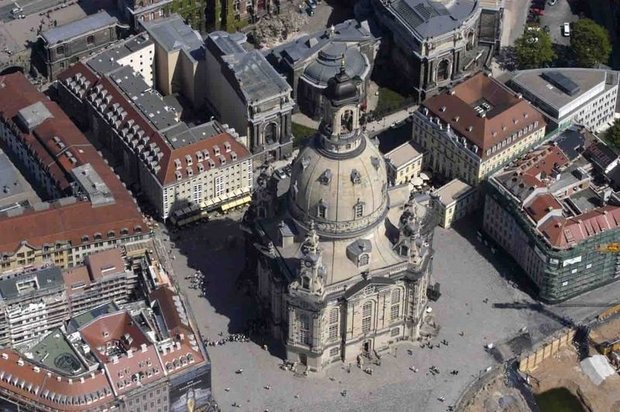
[143,347]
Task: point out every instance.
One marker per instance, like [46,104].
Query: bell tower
[311,269]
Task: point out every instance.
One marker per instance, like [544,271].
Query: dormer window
[227,146]
[177,164]
[321,209]
[190,172]
[188,160]
[356,178]
[222,160]
[363,260]
[233,156]
[85,238]
[216,150]
[326,177]
[358,210]
[199,156]
[178,175]
[111,234]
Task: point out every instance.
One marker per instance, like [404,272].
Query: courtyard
[479,301]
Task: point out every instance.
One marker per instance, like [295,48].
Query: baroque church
[341,262]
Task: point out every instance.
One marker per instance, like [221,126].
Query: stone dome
[351,190]
[329,60]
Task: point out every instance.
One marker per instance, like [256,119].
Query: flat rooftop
[403,154]
[57,354]
[147,100]
[107,61]
[13,187]
[452,191]
[173,34]
[182,135]
[533,82]
[22,283]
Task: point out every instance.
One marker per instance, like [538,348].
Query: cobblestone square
[471,286]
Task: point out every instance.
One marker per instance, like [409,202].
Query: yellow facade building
[475,129]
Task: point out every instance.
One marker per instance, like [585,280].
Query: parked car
[311,4]
[552,2]
[566,30]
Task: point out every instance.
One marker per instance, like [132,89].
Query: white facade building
[570,95]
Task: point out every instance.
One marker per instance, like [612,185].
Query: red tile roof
[50,389]
[562,232]
[541,205]
[508,114]
[69,222]
[543,161]
[167,168]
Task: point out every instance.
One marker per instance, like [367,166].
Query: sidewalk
[379,125]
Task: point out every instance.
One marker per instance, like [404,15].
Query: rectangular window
[333,331]
[304,329]
[334,351]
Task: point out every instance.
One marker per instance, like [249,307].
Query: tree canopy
[612,135]
[534,49]
[590,43]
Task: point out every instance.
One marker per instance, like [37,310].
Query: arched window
[334,316]
[363,260]
[90,40]
[304,329]
[271,133]
[346,121]
[395,310]
[443,70]
[321,209]
[404,250]
[305,282]
[358,210]
[366,317]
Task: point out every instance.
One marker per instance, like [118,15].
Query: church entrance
[303,359]
[367,347]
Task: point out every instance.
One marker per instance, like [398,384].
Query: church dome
[343,195]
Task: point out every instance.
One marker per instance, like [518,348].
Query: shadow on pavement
[217,249]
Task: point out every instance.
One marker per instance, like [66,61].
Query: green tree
[612,135]
[590,43]
[534,49]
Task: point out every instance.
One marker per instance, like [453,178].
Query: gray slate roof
[79,28]
[300,49]
[47,278]
[429,18]
[173,34]
[256,78]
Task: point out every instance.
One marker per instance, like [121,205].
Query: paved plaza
[477,299]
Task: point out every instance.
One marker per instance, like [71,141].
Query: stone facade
[332,284]
[60,47]
[435,51]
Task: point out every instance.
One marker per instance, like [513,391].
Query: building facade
[37,300]
[434,44]
[63,46]
[308,62]
[147,358]
[175,167]
[245,92]
[453,201]
[85,206]
[404,163]
[331,283]
[570,95]
[137,12]
[557,219]
[475,129]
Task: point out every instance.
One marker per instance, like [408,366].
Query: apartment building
[85,207]
[37,300]
[553,213]
[404,163]
[475,128]
[570,95]
[147,358]
[62,46]
[173,166]
[453,201]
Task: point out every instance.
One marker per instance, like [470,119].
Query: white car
[566,29]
